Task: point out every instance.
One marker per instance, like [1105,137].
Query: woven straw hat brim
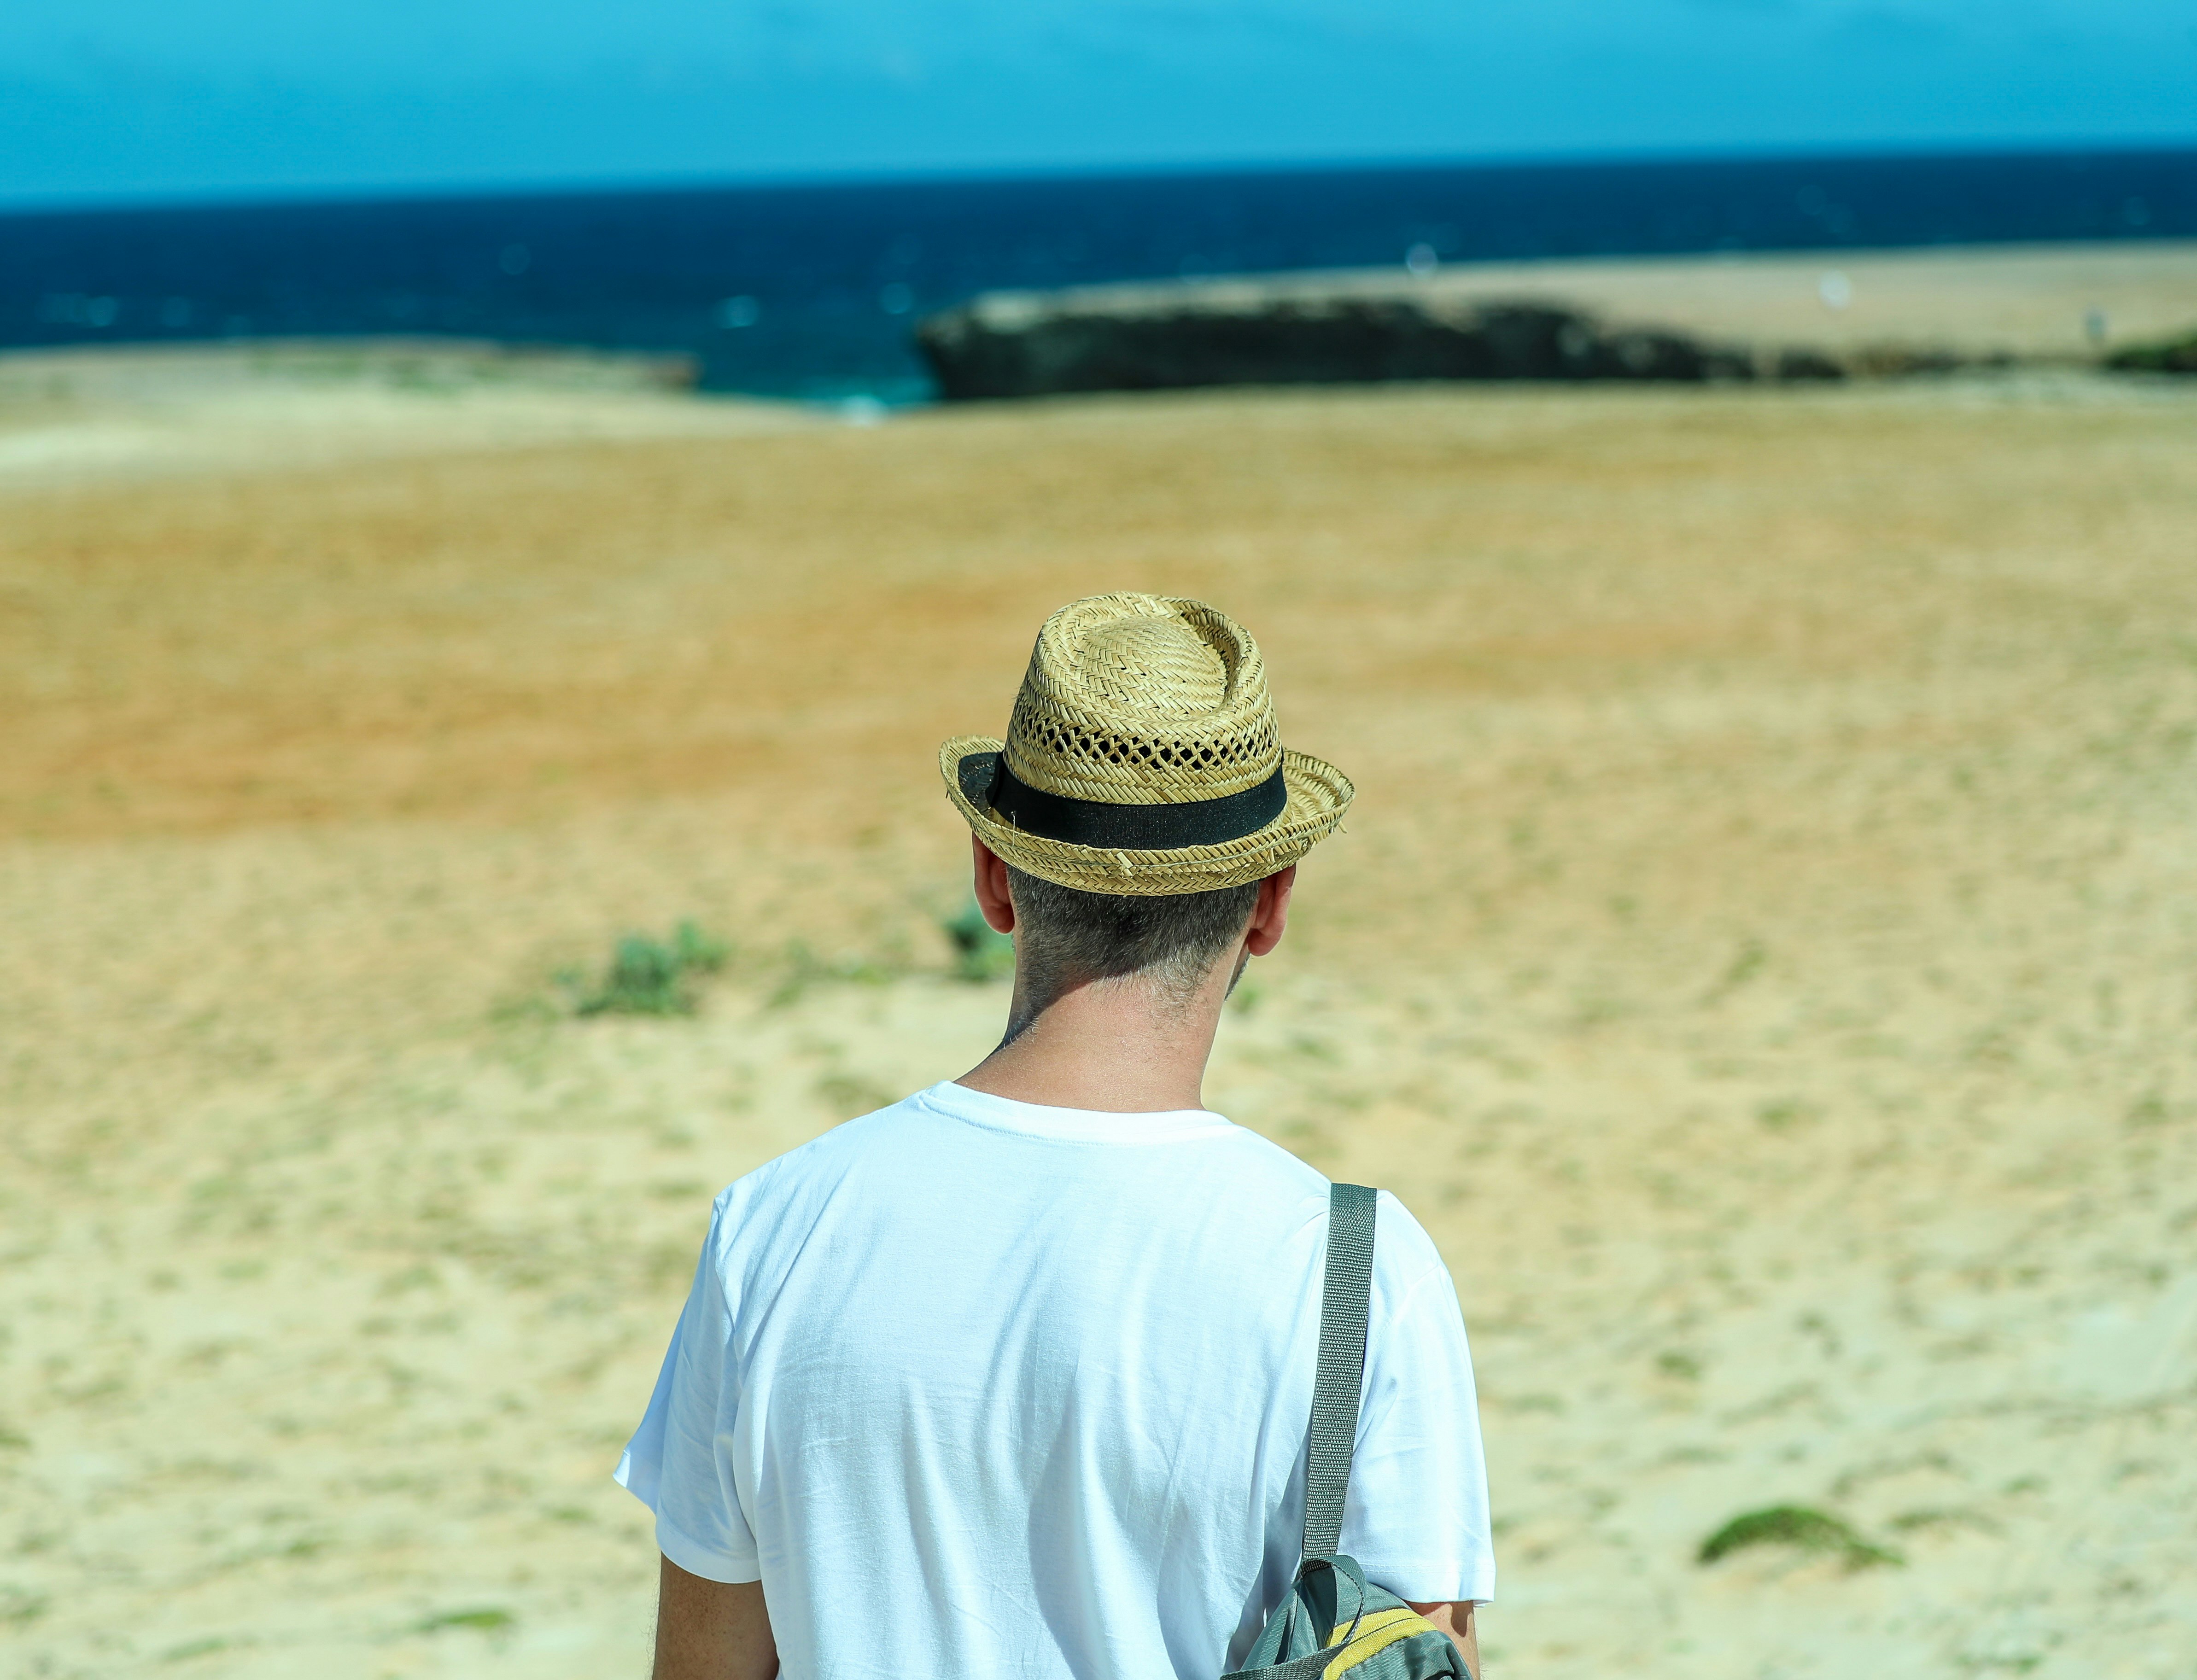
[1318,797]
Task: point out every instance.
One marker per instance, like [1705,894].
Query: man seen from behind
[1010,1381]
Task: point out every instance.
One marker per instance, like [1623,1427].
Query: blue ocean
[809,289]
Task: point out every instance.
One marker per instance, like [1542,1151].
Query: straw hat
[1141,758]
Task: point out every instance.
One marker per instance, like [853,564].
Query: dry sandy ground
[1764,953]
[2034,301]
[145,411]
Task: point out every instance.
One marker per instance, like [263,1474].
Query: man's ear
[991,887]
[1270,916]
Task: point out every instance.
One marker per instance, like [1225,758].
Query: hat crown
[1136,699]
[1160,666]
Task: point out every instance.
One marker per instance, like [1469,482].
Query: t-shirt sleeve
[678,1462]
[1416,1516]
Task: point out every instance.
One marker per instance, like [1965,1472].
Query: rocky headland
[1029,344]
[1801,317]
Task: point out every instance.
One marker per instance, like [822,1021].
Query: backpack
[1336,1623]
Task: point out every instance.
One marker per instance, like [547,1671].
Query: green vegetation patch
[2161,356]
[193,1648]
[650,976]
[1801,1527]
[979,954]
[485,1619]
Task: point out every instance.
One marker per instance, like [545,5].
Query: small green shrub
[1798,1526]
[2164,355]
[1782,1113]
[194,1647]
[979,954]
[651,977]
[486,1621]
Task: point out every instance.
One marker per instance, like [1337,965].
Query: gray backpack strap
[1345,1299]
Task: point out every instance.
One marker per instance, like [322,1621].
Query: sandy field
[1763,954]
[2068,301]
[153,411]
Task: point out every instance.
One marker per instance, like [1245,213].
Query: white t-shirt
[984,1390]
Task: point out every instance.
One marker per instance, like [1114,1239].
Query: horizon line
[392,192]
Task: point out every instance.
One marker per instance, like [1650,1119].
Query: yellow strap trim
[1372,1623]
[1394,1624]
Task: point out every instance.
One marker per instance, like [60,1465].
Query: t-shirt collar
[1071,1125]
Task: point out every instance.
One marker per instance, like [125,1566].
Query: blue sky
[139,99]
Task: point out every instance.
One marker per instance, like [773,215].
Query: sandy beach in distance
[2041,302]
[1763,954]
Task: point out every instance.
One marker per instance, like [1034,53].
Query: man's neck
[1117,1045]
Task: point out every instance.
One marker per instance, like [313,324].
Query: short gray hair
[1065,937]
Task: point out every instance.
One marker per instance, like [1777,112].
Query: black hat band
[986,780]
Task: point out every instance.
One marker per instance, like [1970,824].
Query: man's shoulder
[827,1154]
[1261,1156]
